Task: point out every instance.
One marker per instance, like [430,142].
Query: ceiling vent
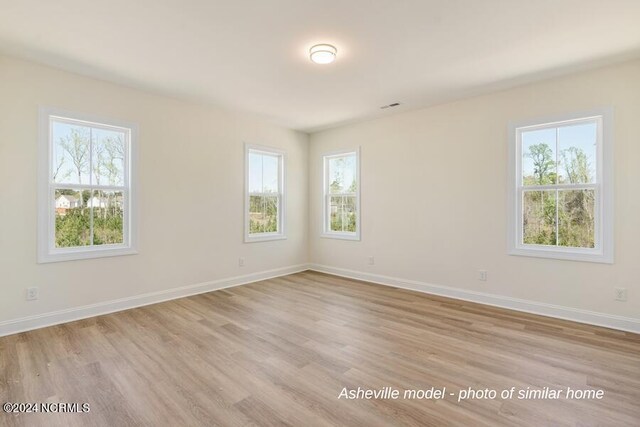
[395,104]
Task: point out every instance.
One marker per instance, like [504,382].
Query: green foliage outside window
[73,225]
[343,213]
[263,214]
[73,228]
[563,217]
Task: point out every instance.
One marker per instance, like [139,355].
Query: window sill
[341,236]
[564,255]
[79,254]
[267,238]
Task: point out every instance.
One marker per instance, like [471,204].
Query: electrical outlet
[32,293]
[621,294]
[371,260]
[482,275]
[240,262]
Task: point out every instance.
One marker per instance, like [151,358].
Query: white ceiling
[252,55]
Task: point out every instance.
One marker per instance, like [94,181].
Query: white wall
[434,195]
[444,167]
[190,171]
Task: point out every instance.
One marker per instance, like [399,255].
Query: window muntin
[85,199]
[264,215]
[341,195]
[561,208]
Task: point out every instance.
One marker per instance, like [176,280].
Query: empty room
[320,213]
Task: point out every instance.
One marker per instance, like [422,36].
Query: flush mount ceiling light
[323,53]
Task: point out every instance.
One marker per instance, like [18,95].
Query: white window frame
[282,159]
[47,252]
[326,203]
[603,250]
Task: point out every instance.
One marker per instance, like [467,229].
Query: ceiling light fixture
[323,53]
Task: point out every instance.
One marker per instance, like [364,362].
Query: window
[264,202]
[561,180]
[85,189]
[342,195]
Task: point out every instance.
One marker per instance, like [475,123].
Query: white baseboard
[577,315]
[23,324]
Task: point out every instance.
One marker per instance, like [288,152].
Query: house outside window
[86,206]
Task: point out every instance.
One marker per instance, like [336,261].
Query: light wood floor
[280,351]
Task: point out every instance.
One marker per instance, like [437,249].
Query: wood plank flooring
[279,352]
